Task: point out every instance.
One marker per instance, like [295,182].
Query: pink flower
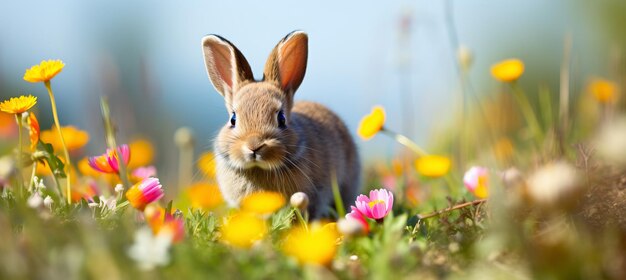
[476,180]
[145,192]
[145,172]
[108,163]
[377,205]
[356,215]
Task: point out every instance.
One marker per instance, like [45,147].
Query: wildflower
[377,205]
[433,166]
[204,196]
[317,245]
[149,250]
[476,180]
[299,200]
[48,201]
[372,123]
[35,200]
[74,138]
[144,172]
[206,164]
[554,185]
[44,72]
[160,221]
[33,130]
[350,227]
[243,230]
[174,227]
[604,91]
[18,105]
[356,215]
[145,192]
[143,153]
[262,203]
[108,162]
[508,70]
[611,142]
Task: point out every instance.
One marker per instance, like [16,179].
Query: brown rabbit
[269,143]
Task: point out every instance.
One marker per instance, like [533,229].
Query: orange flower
[143,153]
[33,131]
[204,196]
[18,105]
[43,72]
[604,91]
[8,128]
[74,138]
[372,123]
[508,70]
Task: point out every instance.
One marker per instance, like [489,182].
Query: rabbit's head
[258,132]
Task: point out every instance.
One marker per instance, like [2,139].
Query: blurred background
[400,54]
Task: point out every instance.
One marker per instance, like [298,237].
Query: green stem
[301,219]
[341,211]
[405,141]
[18,120]
[110,138]
[32,175]
[528,112]
[68,162]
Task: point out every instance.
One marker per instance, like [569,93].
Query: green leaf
[55,163]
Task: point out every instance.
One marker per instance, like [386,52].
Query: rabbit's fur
[261,151]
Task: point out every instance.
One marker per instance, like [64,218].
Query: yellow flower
[503,149]
[206,164]
[204,196]
[604,91]
[243,230]
[433,166]
[74,138]
[263,203]
[143,153]
[18,105]
[318,245]
[508,70]
[372,123]
[43,72]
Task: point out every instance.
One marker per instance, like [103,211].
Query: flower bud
[350,227]
[299,200]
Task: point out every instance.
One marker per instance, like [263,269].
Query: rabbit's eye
[233,119]
[281,120]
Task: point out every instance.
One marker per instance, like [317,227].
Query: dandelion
[74,138]
[150,251]
[433,166]
[377,205]
[263,203]
[108,162]
[317,245]
[604,91]
[371,124]
[33,130]
[206,164]
[243,230]
[143,153]
[476,180]
[204,196]
[18,105]
[508,70]
[145,192]
[44,72]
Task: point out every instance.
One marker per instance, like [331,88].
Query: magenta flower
[145,172]
[145,192]
[107,162]
[476,180]
[377,205]
[355,214]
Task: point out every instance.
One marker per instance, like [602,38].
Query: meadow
[525,184]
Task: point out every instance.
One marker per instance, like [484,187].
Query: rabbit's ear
[226,66]
[287,62]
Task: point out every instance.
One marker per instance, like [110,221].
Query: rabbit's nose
[255,150]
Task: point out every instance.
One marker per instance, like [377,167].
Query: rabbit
[270,143]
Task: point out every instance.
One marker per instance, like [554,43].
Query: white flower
[109,203]
[299,200]
[554,184]
[350,227]
[611,142]
[48,201]
[119,188]
[34,201]
[149,250]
